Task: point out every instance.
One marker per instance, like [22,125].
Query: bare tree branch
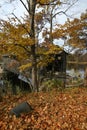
[24,6]
[64,12]
[21,23]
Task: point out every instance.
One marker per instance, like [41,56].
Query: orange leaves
[52,111]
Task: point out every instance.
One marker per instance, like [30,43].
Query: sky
[75,11]
[6,9]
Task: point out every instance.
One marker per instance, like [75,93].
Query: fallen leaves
[52,111]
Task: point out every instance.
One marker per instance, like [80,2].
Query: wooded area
[36,88]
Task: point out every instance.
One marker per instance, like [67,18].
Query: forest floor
[54,110]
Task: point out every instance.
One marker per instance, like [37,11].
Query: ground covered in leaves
[64,110]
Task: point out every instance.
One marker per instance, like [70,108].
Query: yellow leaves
[14,39]
[23,67]
[59,2]
[43,1]
[73,31]
[41,63]
[58,33]
[47,52]
[48,2]
[45,60]
[52,49]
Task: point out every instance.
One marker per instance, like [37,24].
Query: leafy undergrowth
[66,110]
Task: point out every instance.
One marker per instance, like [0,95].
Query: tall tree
[24,35]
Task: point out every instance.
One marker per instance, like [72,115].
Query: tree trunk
[34,69]
[33,47]
[51,27]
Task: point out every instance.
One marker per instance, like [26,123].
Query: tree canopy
[74,32]
[23,38]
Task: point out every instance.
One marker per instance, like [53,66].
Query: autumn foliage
[66,110]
